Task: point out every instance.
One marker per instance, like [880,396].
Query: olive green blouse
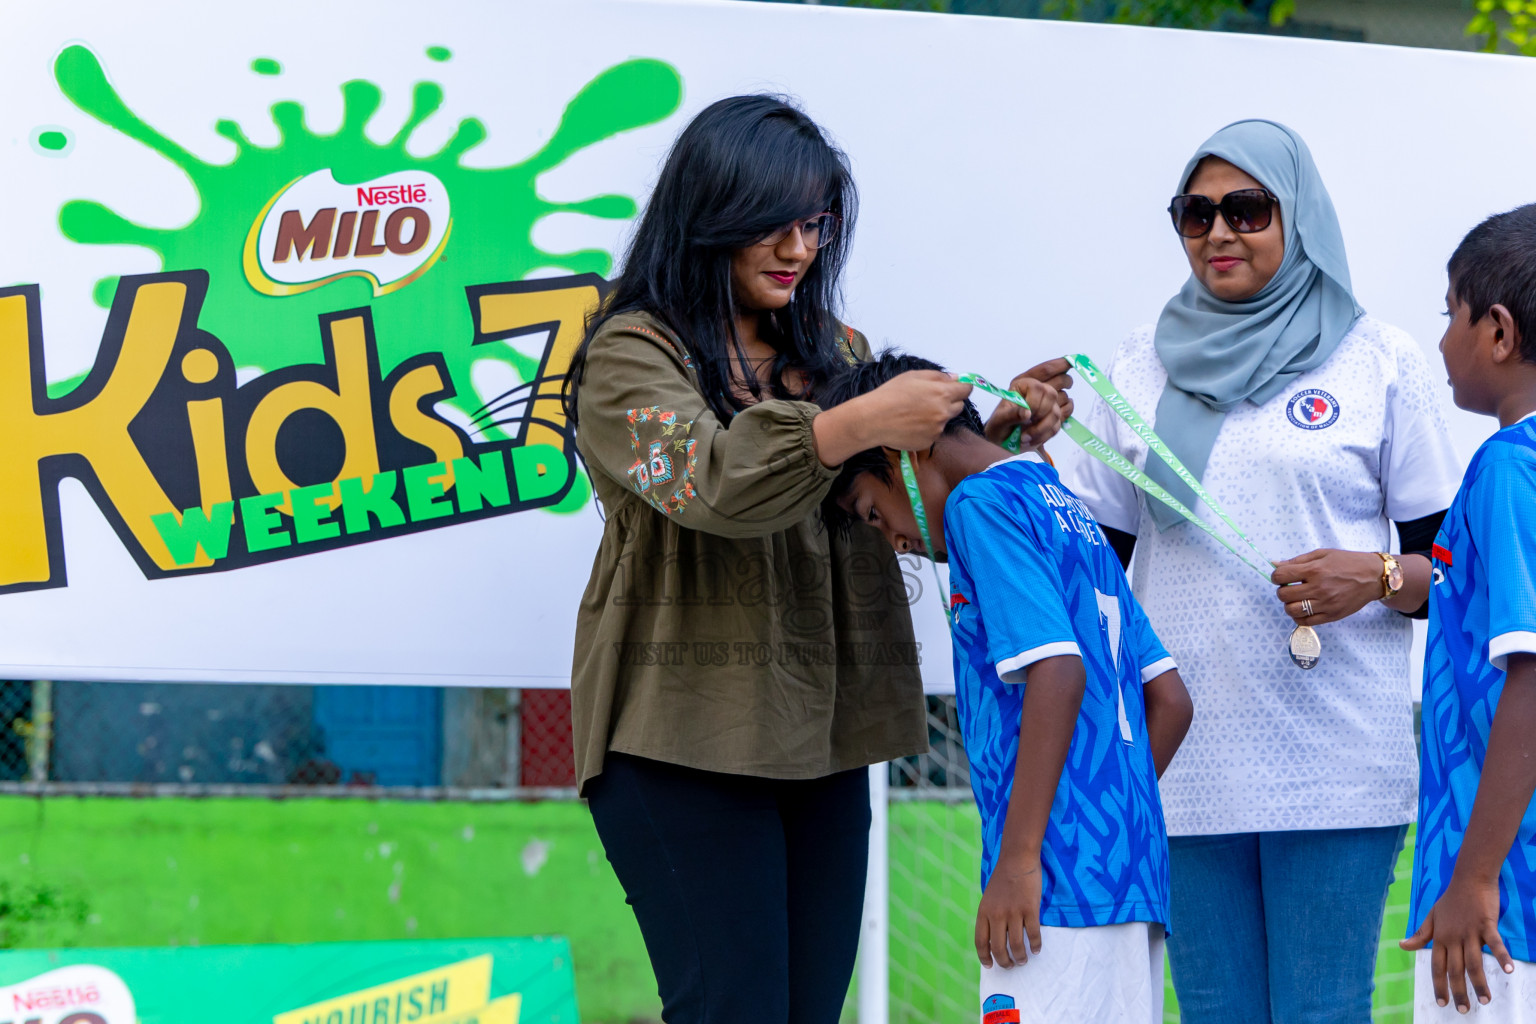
[725,627]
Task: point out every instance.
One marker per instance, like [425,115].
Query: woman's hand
[1337,583]
[907,413]
[1044,387]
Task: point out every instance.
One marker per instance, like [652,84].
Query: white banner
[275,280]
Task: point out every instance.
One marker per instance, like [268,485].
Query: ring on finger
[1306,609]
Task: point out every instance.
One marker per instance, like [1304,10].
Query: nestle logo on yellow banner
[316,230]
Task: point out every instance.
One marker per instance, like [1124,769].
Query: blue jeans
[1279,927]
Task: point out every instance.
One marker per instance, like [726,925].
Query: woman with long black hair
[737,665]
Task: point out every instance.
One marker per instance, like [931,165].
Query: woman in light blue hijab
[1316,426]
[1221,346]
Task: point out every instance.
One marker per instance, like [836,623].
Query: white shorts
[1511,997]
[1110,974]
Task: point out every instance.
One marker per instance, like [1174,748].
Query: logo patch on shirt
[1441,554]
[956,599]
[1313,409]
[999,1010]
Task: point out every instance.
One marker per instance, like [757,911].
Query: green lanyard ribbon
[1100,382]
[1093,445]
[920,512]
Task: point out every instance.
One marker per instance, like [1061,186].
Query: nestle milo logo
[315,230]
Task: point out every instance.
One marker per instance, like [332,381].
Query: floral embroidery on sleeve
[662,473]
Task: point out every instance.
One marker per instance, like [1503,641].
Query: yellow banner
[447,995]
[505,1010]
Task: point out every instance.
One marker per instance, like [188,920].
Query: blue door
[387,735]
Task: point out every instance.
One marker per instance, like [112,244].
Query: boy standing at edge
[1474,872]
[1070,708]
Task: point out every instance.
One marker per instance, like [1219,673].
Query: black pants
[749,891]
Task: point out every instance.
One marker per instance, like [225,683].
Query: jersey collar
[1030,457]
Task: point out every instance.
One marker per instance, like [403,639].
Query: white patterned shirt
[1328,463]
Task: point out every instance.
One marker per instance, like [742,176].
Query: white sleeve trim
[1156,669]
[1503,645]
[1441,502]
[1011,670]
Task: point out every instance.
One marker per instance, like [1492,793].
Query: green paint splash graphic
[494,213]
[51,140]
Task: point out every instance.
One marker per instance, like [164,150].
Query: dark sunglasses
[1247,210]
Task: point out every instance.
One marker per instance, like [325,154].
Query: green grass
[176,872]
[180,872]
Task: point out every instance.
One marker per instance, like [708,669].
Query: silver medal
[1306,648]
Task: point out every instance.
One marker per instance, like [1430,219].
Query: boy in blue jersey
[1474,870]
[1070,708]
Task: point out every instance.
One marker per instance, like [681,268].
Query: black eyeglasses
[816,231]
[1246,210]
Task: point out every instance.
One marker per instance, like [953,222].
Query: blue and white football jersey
[1482,608]
[1033,577]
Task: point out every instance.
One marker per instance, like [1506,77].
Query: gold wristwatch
[1391,576]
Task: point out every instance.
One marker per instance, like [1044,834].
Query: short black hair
[860,379]
[1496,263]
